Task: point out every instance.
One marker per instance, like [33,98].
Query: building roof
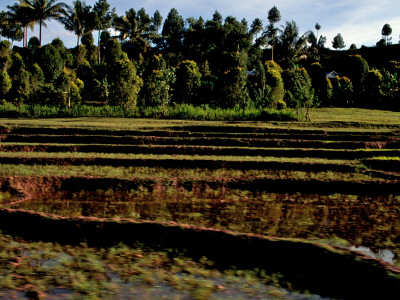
[331,75]
[252,73]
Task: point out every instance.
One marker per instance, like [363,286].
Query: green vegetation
[127,172]
[177,111]
[32,271]
[217,69]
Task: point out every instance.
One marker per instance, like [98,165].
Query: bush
[188,82]
[321,84]
[124,85]
[233,88]
[276,90]
[177,111]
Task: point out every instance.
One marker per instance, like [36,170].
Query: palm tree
[271,31]
[42,10]
[102,19]
[20,14]
[134,26]
[292,46]
[75,18]
[256,27]
[3,22]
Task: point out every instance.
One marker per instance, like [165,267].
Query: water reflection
[361,221]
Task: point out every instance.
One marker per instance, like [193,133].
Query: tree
[338,42]
[76,18]
[42,10]
[273,75]
[124,85]
[356,68]
[321,41]
[381,43]
[321,84]
[5,84]
[5,55]
[156,22]
[291,45]
[20,90]
[69,87]
[157,88]
[20,14]
[271,31]
[342,91]
[102,18]
[36,82]
[386,31]
[236,37]
[112,52]
[353,47]
[172,33]
[3,22]
[373,88]
[188,82]
[135,27]
[299,90]
[14,32]
[312,39]
[195,41]
[214,43]
[256,27]
[51,62]
[318,28]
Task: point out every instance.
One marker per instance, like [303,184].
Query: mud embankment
[263,184]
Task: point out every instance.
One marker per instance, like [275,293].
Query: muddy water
[365,222]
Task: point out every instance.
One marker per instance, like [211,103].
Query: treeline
[217,63]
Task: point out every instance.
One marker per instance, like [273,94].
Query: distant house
[252,73]
[331,75]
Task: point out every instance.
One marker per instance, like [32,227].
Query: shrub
[373,89]
[321,84]
[188,82]
[5,83]
[233,88]
[276,90]
[124,85]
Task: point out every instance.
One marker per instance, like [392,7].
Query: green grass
[367,117]
[340,119]
[385,158]
[144,172]
[177,111]
[93,155]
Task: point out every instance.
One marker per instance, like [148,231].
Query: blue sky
[359,21]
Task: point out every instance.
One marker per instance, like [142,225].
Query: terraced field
[314,209]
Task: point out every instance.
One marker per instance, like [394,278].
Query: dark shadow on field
[323,270]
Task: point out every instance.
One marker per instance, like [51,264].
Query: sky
[358,21]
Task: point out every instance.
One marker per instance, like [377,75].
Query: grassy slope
[319,117]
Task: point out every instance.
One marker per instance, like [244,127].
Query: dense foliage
[151,65]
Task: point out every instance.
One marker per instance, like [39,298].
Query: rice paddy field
[109,208]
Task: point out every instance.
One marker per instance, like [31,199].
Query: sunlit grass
[363,116]
[93,155]
[340,119]
[127,172]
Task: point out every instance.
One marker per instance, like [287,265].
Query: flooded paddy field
[349,220]
[199,212]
